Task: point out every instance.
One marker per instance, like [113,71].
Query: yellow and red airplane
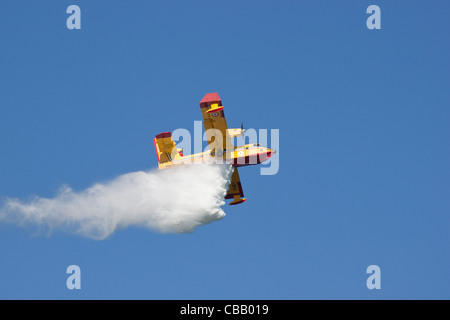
[220,147]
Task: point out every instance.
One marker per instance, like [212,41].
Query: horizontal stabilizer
[166,148]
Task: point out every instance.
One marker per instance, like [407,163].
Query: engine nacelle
[236,132]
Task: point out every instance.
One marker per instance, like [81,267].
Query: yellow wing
[219,141]
[215,123]
[235,191]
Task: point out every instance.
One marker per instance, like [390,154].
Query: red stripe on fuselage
[251,160]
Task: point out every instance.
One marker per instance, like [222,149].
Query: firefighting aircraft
[220,147]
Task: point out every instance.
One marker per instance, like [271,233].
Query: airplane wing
[215,123]
[235,189]
[219,139]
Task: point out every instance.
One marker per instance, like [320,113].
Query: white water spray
[170,201]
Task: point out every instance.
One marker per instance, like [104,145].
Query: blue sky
[363,118]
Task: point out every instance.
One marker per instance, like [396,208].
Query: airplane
[220,147]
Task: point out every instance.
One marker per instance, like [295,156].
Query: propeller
[242,129]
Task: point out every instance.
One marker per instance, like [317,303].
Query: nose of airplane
[270,152]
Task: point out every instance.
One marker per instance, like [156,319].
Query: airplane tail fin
[166,149]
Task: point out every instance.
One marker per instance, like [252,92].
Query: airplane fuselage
[249,154]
